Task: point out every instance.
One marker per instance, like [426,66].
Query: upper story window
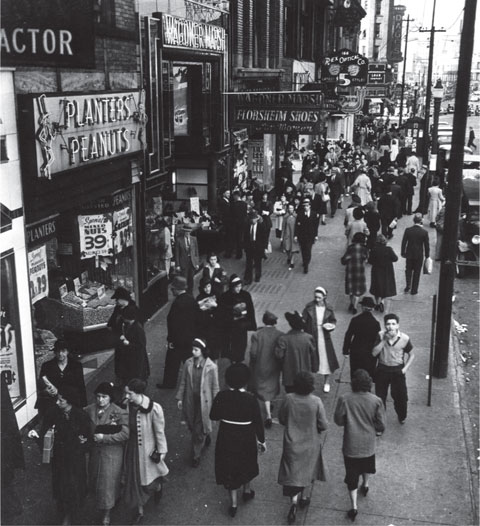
[105,10]
[378,7]
[3,149]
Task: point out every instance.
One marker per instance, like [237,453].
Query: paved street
[424,471]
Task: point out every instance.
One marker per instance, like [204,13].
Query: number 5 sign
[95,235]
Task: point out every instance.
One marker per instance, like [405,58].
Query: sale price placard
[38,273]
[95,235]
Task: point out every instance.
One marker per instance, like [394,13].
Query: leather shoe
[248,495]
[157,496]
[292,514]
[232,511]
[351,514]
[406,289]
[364,490]
[268,423]
[304,502]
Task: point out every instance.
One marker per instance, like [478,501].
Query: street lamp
[437,94]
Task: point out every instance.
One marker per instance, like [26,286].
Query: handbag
[155,456]
[427,266]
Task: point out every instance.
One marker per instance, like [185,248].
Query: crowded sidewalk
[423,474]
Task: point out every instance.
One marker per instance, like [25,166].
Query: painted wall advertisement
[95,235]
[38,272]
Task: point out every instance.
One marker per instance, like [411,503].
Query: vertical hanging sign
[38,273]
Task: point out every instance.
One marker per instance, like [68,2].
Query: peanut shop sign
[73,131]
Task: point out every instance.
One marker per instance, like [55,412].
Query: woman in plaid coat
[354,260]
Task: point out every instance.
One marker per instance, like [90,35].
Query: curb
[459,386]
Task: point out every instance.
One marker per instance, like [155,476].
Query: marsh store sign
[188,34]
[278,112]
[73,131]
[47,33]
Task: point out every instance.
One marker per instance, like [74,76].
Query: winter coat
[133,358]
[304,419]
[382,284]
[208,391]
[296,352]
[182,323]
[354,261]
[151,435]
[265,367]
[106,457]
[288,231]
[310,317]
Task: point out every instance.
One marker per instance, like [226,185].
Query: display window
[74,270]
[11,365]
[159,235]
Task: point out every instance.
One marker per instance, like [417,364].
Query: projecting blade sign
[345,68]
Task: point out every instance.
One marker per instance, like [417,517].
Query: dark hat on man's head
[105,388]
[121,294]
[367,302]
[187,227]
[356,198]
[269,318]
[253,214]
[237,375]
[306,201]
[179,283]
[295,320]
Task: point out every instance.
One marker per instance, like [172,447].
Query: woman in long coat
[143,473]
[236,315]
[321,330]
[304,418]
[382,283]
[241,427]
[435,202]
[288,234]
[354,260]
[110,433]
[69,463]
[198,387]
[264,365]
[362,186]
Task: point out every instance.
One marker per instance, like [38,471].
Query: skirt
[354,467]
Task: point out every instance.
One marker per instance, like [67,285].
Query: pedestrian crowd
[116,447]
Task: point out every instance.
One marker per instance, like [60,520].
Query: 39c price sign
[95,235]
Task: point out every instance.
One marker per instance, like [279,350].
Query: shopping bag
[427,266]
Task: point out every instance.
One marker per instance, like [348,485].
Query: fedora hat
[295,320]
[368,302]
[179,283]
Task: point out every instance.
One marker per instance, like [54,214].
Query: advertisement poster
[8,361]
[38,272]
[122,223]
[95,235]
[195,204]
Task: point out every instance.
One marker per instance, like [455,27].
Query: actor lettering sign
[47,33]
[345,68]
[188,34]
[76,130]
[278,112]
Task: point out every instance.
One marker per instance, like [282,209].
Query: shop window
[11,365]
[158,233]
[74,273]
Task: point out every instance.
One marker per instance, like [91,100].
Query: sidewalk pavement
[423,471]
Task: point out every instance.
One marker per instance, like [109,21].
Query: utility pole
[454,194]
[422,206]
[404,70]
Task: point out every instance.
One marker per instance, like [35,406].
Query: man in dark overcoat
[306,231]
[415,247]
[187,259]
[360,338]
[295,350]
[182,325]
[224,210]
[256,241]
[239,212]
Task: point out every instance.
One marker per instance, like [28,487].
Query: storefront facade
[81,156]
[17,366]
